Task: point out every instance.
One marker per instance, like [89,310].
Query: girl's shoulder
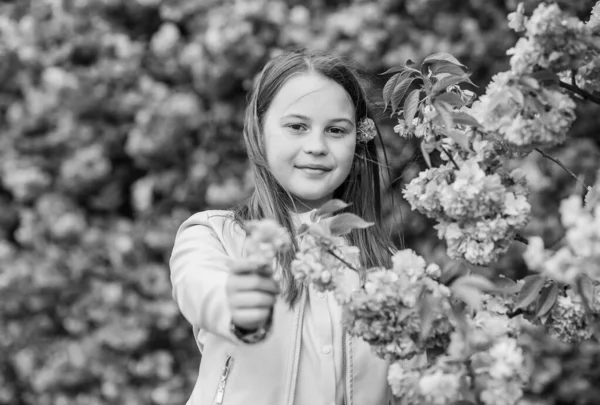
[221,222]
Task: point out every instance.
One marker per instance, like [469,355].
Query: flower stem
[521,238]
[579,91]
[450,157]
[565,168]
[332,253]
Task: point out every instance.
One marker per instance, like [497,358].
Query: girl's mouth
[314,169]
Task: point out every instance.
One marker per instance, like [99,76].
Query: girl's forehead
[311,94]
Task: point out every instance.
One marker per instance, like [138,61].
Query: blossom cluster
[319,263]
[266,239]
[478,213]
[385,313]
[553,40]
[484,354]
[523,113]
[581,252]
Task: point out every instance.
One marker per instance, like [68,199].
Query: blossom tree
[459,337]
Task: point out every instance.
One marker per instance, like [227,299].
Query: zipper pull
[220,393]
[223,381]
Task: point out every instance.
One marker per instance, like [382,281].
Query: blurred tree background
[120,118]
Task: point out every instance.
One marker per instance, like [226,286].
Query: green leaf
[545,75]
[585,288]
[476,281]
[442,84]
[452,270]
[445,111]
[346,222]
[441,57]
[547,299]
[470,295]
[530,290]
[394,69]
[320,231]
[389,87]
[426,305]
[451,99]
[449,69]
[506,286]
[411,104]
[329,208]
[400,91]
[462,118]
[458,137]
[425,150]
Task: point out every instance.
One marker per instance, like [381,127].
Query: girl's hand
[251,294]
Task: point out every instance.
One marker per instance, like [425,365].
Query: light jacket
[232,372]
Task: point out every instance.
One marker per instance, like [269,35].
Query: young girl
[310,138]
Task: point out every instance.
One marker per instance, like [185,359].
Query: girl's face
[310,137]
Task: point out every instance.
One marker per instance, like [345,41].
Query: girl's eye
[296,127]
[338,131]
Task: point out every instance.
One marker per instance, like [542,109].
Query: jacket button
[327,349]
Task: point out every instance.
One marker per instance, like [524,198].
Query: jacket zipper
[298,351]
[223,381]
[344,365]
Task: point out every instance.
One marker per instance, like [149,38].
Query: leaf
[470,295]
[476,281]
[547,299]
[451,99]
[530,290]
[448,69]
[445,112]
[462,118]
[411,105]
[459,137]
[394,69]
[452,270]
[545,75]
[585,288]
[425,152]
[506,286]
[389,86]
[441,85]
[441,57]
[400,91]
[319,231]
[330,207]
[426,314]
[346,222]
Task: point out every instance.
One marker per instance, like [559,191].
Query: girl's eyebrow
[305,118]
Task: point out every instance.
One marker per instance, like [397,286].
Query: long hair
[361,188]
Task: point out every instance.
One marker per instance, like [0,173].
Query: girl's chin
[313,200]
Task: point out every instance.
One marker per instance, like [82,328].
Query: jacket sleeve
[199,267]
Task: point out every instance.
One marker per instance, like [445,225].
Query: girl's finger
[251,318]
[253,282]
[252,299]
[246,267]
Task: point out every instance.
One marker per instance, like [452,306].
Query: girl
[309,138]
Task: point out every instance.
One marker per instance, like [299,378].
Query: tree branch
[521,238]
[450,157]
[565,168]
[584,94]
[332,253]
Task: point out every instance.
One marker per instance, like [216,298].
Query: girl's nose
[314,143]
